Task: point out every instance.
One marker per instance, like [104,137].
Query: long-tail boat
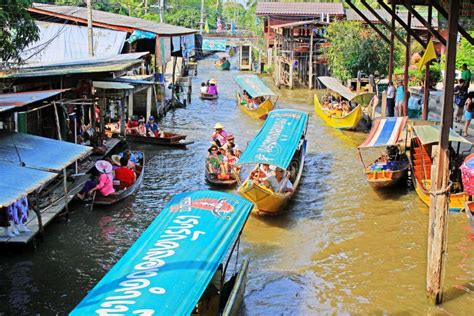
[166,139]
[180,265]
[391,165]
[223,65]
[255,98]
[281,142]
[426,138]
[337,118]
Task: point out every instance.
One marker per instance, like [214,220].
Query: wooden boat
[169,139]
[223,66]
[256,89]
[290,127]
[122,192]
[208,96]
[425,138]
[349,121]
[179,265]
[391,167]
[213,180]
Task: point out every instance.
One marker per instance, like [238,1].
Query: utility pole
[202,17]
[162,8]
[90,34]
[439,201]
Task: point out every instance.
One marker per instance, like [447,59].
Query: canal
[341,247]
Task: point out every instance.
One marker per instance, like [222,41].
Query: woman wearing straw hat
[105,184]
[219,136]
[212,89]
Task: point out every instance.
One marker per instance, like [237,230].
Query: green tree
[17,30]
[465,53]
[353,48]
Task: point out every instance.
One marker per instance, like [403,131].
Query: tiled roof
[415,23]
[299,8]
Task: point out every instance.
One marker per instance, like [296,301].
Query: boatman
[278,183]
[219,136]
[152,127]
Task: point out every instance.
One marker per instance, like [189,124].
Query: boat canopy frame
[254,86]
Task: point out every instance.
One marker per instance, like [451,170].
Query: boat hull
[170,140]
[208,96]
[386,178]
[236,296]
[213,181]
[259,113]
[349,122]
[223,66]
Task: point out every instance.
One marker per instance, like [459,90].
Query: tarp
[167,269]
[429,134]
[9,101]
[385,132]
[278,139]
[253,85]
[363,98]
[214,44]
[163,50]
[138,35]
[19,181]
[335,85]
[39,152]
[176,41]
[60,42]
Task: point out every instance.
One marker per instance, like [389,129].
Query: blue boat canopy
[19,181]
[278,139]
[39,152]
[253,85]
[168,268]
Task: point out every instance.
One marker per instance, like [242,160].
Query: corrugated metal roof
[110,20]
[300,23]
[18,181]
[11,100]
[415,23]
[89,65]
[299,8]
[39,152]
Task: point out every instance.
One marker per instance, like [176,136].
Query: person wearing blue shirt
[400,94]
[152,127]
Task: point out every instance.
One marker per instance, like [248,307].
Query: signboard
[214,44]
[466,14]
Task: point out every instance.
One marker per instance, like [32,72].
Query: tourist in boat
[215,161]
[132,126]
[231,145]
[278,183]
[124,174]
[152,127]
[112,127]
[230,160]
[219,136]
[212,89]
[105,183]
[141,129]
[204,87]
[468,112]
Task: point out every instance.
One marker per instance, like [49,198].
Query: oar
[93,200]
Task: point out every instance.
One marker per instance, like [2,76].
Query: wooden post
[426,92]
[148,102]
[392,44]
[437,227]
[404,109]
[130,104]
[311,43]
[66,206]
[122,114]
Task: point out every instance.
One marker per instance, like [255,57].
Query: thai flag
[219,24]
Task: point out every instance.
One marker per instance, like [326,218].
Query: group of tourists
[209,87]
[113,174]
[137,126]
[336,107]
[251,103]
[395,99]
[463,99]
[276,179]
[223,154]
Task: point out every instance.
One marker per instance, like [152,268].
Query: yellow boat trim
[350,121]
[456,201]
[259,113]
[265,200]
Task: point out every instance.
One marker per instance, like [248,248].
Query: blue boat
[281,143]
[180,264]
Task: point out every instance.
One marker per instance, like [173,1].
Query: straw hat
[218,125]
[116,159]
[103,166]
[213,81]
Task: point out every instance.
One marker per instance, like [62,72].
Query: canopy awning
[335,85]
[363,98]
[253,85]
[278,139]
[39,152]
[19,181]
[108,85]
[9,101]
[173,261]
[385,132]
[429,134]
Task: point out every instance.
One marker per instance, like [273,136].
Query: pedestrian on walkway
[460,96]
[400,96]
[390,99]
[468,112]
[466,76]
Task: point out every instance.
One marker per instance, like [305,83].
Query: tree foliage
[17,30]
[353,48]
[465,53]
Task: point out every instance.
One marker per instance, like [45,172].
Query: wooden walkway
[57,201]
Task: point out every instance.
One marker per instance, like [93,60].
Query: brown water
[341,247]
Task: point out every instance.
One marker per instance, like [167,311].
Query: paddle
[93,200]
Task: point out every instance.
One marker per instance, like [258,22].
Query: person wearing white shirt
[278,183]
[390,99]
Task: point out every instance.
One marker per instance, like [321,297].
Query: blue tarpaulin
[253,85]
[214,44]
[278,139]
[137,35]
[18,181]
[168,268]
[39,152]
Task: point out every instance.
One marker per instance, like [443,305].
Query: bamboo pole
[437,227]
[311,43]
